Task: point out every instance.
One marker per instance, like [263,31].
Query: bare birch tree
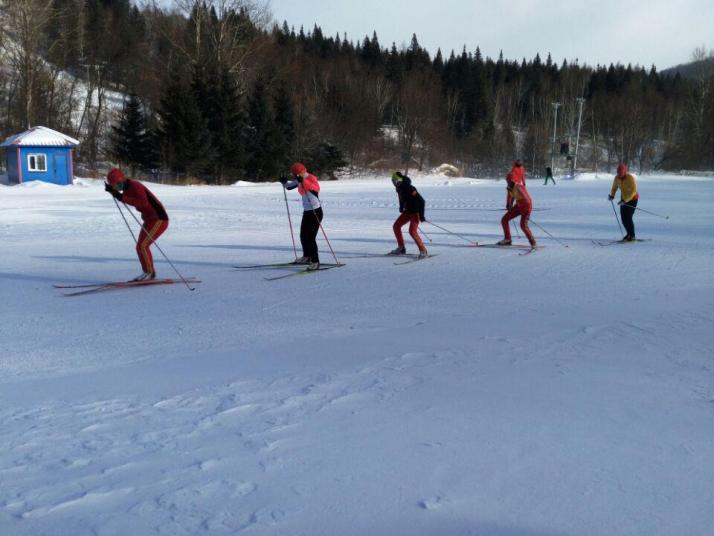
[25,23]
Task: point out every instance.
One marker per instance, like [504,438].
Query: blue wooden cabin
[40,154]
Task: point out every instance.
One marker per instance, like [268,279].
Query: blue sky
[657,32]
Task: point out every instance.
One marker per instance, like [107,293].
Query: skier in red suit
[518,203]
[154,216]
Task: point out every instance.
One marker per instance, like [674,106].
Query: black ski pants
[308,233]
[626,213]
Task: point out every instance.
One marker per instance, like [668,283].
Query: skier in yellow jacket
[628,199]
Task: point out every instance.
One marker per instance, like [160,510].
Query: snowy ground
[566,392]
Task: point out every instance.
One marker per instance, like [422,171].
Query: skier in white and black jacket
[309,188]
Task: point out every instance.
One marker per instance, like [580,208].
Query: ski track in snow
[566,392]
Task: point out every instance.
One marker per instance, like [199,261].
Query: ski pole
[451,232]
[324,234]
[158,247]
[124,218]
[616,217]
[546,232]
[290,222]
[425,235]
[646,211]
[515,228]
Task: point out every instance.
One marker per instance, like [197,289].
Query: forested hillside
[215,91]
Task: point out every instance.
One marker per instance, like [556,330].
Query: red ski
[100,287]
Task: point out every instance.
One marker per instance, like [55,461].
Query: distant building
[40,154]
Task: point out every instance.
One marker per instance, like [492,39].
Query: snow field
[479,392]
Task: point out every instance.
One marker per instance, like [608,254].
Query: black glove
[611,197]
[620,202]
[422,218]
[115,194]
[283,179]
[119,196]
[299,179]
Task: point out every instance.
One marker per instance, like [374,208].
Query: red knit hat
[115,176]
[298,169]
[621,170]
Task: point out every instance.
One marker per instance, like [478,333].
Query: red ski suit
[154,216]
[522,207]
[518,176]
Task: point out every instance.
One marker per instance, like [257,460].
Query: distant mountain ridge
[692,69]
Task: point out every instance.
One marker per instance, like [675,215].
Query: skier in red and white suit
[154,216]
[309,188]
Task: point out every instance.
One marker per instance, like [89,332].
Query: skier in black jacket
[411,208]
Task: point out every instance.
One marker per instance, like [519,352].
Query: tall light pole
[556,105]
[581,101]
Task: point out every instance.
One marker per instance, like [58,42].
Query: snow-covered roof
[40,137]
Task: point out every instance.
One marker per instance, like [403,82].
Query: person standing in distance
[548,176]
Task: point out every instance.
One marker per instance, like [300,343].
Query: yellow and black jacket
[627,187]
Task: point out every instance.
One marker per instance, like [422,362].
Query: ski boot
[146,276]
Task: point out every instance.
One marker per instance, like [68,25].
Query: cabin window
[37,162]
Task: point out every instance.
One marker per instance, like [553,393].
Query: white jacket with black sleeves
[309,189]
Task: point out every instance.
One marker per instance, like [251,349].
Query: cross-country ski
[305,271]
[621,241]
[267,265]
[507,246]
[119,283]
[92,289]
[529,251]
[415,259]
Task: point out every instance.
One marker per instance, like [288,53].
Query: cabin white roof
[40,137]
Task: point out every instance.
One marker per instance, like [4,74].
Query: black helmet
[399,179]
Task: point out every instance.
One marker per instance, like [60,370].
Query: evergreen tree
[283,135]
[260,157]
[183,132]
[394,64]
[438,62]
[222,110]
[129,138]
[325,159]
